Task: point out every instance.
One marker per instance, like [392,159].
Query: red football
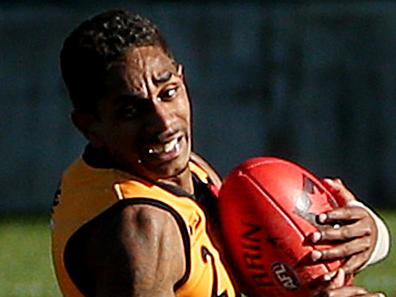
[268,208]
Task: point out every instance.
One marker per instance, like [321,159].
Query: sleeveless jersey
[85,192]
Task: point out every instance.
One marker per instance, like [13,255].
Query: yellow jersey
[85,192]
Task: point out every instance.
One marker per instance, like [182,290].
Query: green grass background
[26,271]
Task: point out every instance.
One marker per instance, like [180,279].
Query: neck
[182,180]
[100,159]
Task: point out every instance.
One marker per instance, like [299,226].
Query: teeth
[167,147]
[170,145]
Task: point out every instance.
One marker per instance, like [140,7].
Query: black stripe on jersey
[73,258]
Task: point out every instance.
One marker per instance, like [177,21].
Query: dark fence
[314,83]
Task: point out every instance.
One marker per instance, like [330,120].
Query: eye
[168,94]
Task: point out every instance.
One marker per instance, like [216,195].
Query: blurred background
[310,81]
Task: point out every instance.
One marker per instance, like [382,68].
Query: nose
[161,118]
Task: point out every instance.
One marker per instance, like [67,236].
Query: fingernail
[316,236]
[336,226]
[316,255]
[322,218]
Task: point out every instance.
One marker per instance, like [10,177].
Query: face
[143,119]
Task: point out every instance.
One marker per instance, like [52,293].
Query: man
[136,215]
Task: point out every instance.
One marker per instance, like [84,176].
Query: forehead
[147,58]
[140,68]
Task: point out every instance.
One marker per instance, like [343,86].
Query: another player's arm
[143,257]
[357,235]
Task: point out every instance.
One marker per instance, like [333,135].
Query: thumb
[339,279]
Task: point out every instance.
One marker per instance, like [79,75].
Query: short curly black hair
[89,51]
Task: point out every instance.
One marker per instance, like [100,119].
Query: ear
[88,125]
[180,70]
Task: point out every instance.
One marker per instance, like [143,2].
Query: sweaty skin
[139,253]
[145,110]
[143,123]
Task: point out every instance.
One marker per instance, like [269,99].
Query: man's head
[129,95]
[92,48]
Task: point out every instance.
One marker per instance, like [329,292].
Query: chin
[155,168]
[169,169]
[174,171]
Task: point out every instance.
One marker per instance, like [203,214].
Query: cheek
[184,109]
[187,115]
[123,138]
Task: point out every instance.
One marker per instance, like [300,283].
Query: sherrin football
[268,209]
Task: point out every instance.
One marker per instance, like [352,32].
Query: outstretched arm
[140,253]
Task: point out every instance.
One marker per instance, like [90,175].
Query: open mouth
[167,150]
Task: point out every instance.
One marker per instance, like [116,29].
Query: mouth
[165,151]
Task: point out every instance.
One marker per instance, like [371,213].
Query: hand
[351,227]
[336,288]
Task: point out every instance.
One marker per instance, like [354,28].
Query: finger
[352,292]
[331,280]
[343,233]
[355,262]
[342,250]
[351,213]
[339,279]
[338,189]
[323,281]
[349,291]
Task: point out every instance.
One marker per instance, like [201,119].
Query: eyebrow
[162,78]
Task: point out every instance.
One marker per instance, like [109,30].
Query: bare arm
[140,253]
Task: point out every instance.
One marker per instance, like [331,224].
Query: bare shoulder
[149,219]
[138,251]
